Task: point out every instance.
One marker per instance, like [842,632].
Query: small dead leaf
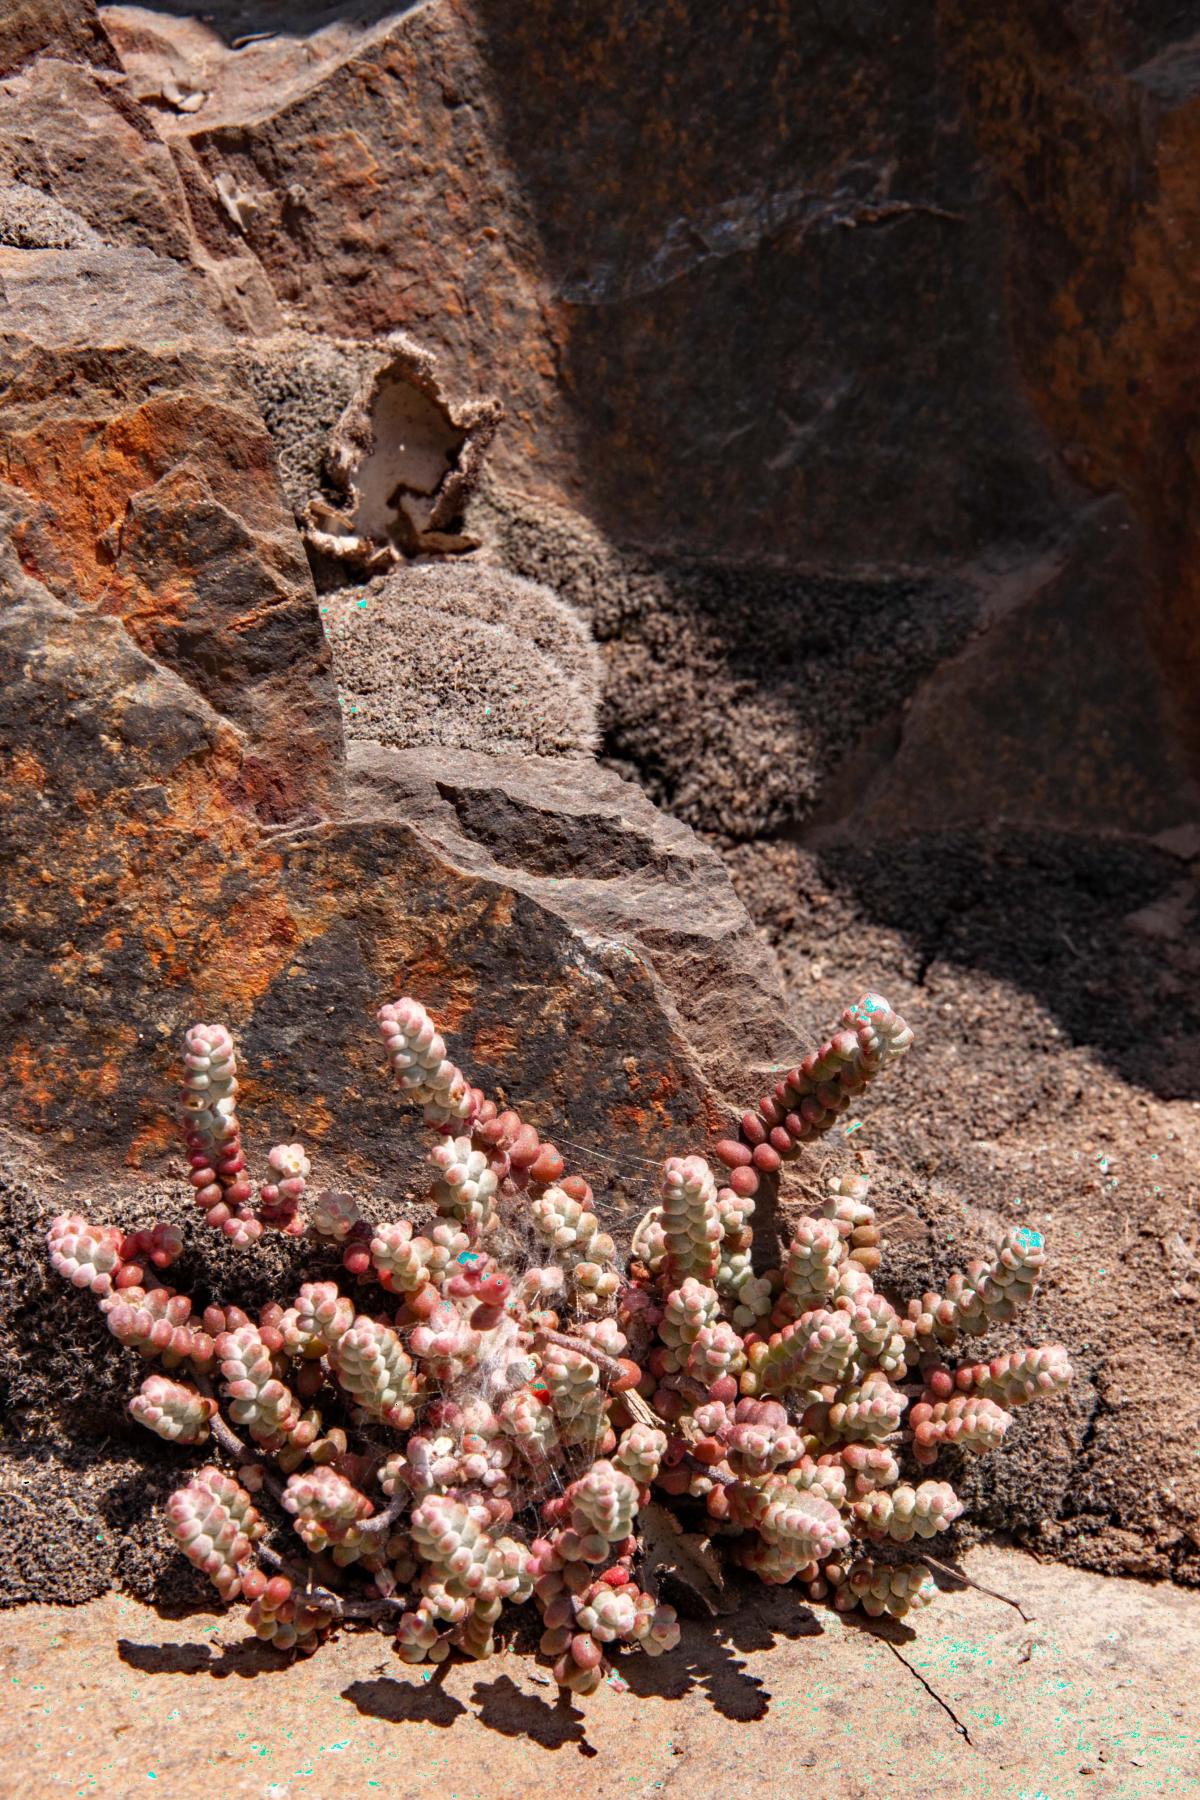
[685,1557]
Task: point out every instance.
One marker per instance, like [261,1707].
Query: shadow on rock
[248,1658]
[401,1701]
[504,1708]
[710,1656]
[1099,930]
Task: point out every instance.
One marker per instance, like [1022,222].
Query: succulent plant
[484,1429]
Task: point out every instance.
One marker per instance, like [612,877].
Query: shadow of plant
[247,1658]
[504,1708]
[710,1659]
[424,1700]
[711,1653]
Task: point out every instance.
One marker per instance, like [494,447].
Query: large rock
[636,887]
[69,127]
[1089,122]
[142,487]
[170,727]
[182,842]
[372,187]
[144,892]
[961,296]
[687,325]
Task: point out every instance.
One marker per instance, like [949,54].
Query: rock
[1070,723]
[68,28]
[1092,131]
[707,350]
[1094,1669]
[462,654]
[381,199]
[129,187]
[639,888]
[145,892]
[182,843]
[141,485]
[228,63]
[691,350]
[47,108]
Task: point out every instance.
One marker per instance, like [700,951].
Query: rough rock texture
[181,843]
[1094,1697]
[141,487]
[466,656]
[31,220]
[766,250]
[758,702]
[69,127]
[68,27]
[143,891]
[303,384]
[862,433]
[372,188]
[962,295]
[1090,122]
[814,242]
[591,850]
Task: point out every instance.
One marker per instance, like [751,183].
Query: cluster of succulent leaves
[459,1424]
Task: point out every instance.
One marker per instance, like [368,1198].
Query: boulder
[142,487]
[184,841]
[928,297]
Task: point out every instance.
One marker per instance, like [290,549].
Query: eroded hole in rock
[416,445]
[402,461]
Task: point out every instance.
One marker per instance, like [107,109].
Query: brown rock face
[175,773]
[647,229]
[640,889]
[182,841]
[142,487]
[715,305]
[377,197]
[65,27]
[144,892]
[848,367]
[1090,119]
